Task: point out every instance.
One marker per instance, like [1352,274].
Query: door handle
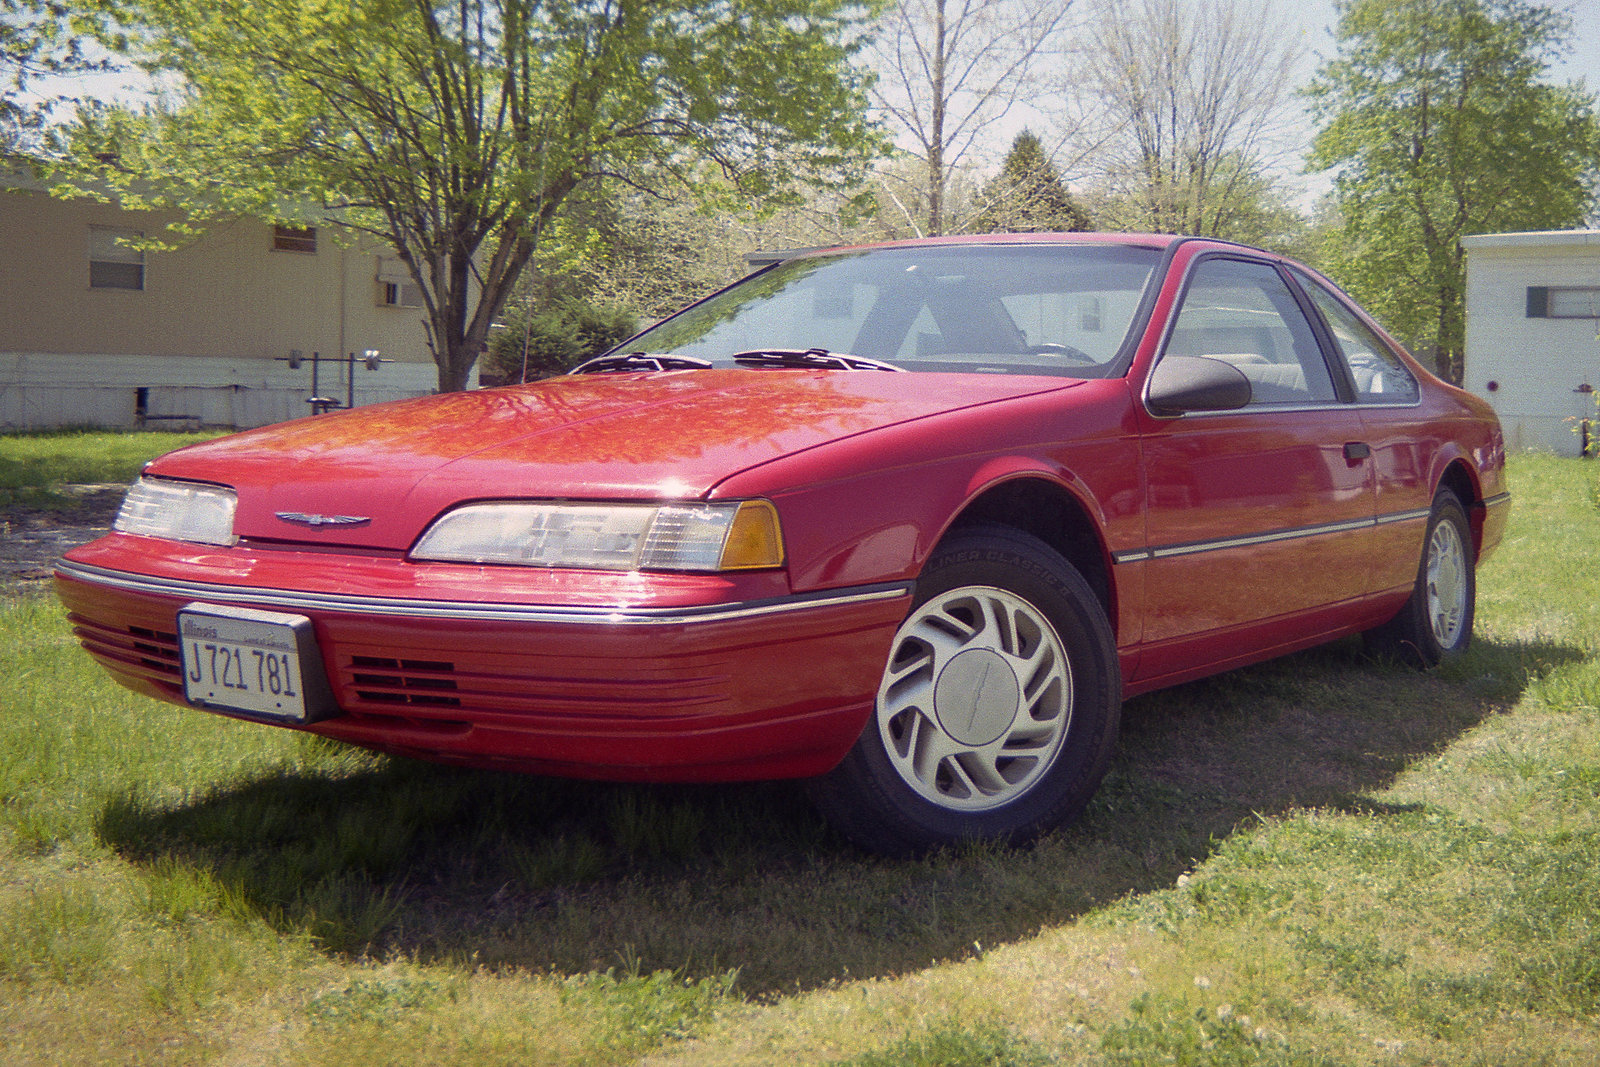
[1356,451]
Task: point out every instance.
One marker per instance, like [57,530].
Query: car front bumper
[622,677]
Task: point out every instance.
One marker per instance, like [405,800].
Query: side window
[1379,375]
[114,263]
[1243,313]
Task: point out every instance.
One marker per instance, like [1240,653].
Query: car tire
[998,708]
[1436,622]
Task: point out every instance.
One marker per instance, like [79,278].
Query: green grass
[1316,861]
[34,466]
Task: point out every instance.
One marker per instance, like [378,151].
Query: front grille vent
[417,682]
[158,650]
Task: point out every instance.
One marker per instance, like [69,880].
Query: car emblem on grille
[303,519]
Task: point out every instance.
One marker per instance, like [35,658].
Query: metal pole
[350,381]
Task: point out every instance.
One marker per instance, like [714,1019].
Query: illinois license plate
[259,663]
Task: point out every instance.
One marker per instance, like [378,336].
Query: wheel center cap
[976,697]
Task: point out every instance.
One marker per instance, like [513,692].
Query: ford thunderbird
[909,521]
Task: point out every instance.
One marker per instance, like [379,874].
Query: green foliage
[455,132]
[1028,196]
[1438,123]
[644,829]
[1233,199]
[559,860]
[556,340]
[620,245]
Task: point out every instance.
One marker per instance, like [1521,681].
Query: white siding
[39,390]
[1535,371]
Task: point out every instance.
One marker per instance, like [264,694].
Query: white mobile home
[1533,334]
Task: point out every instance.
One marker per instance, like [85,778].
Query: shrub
[555,339]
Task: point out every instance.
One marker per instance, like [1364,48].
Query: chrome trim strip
[1191,548]
[1498,500]
[1404,516]
[1286,408]
[477,612]
[1195,547]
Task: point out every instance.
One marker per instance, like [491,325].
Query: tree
[37,42]
[538,344]
[1193,91]
[455,130]
[1028,195]
[1437,122]
[950,69]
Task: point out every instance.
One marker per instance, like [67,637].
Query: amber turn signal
[755,539]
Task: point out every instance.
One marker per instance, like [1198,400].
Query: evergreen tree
[1028,196]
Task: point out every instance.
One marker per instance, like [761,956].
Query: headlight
[614,537]
[180,511]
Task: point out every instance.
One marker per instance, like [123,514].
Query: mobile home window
[113,262]
[395,287]
[1573,303]
[294,238]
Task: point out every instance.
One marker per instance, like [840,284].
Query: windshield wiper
[810,357]
[639,361]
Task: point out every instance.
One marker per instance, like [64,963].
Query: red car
[908,520]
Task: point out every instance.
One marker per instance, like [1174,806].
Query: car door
[1259,521]
[1387,398]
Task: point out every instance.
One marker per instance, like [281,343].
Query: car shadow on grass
[377,855]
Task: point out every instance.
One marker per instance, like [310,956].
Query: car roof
[1155,241]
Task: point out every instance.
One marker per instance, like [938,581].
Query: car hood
[672,435]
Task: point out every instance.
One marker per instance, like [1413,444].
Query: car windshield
[1002,308]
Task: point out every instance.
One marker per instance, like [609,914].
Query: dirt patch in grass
[35,528]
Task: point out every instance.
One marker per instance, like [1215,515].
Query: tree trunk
[454,371]
[936,175]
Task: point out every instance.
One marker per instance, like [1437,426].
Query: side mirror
[1181,384]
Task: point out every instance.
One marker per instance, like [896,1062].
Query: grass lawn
[34,466]
[1319,860]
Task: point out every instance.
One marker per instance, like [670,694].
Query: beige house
[220,332]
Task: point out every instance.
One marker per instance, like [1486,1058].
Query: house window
[1546,302]
[401,295]
[1574,303]
[294,238]
[113,261]
[395,287]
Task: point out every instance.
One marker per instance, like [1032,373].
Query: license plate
[258,663]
